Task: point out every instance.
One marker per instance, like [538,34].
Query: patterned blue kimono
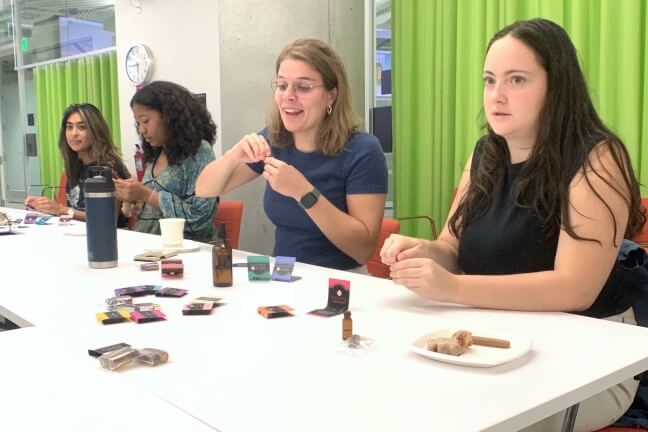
[176,185]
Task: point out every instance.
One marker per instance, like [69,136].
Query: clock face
[139,64]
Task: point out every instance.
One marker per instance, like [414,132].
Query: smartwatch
[310,198]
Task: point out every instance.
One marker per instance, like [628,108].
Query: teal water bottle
[101,217]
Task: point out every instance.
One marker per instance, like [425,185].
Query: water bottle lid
[99,180]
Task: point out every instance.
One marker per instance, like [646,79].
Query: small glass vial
[347,326]
[116,359]
[222,260]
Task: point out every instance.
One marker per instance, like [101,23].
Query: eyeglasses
[299,87]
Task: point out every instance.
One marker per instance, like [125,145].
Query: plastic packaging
[152,356]
[116,359]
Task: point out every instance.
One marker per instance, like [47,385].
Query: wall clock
[139,64]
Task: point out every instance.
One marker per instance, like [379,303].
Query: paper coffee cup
[172,230]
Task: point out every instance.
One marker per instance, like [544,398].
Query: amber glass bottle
[347,326]
[222,259]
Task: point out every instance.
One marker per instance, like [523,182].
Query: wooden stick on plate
[491,342]
[466,338]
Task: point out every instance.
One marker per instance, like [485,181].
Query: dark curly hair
[571,130]
[187,120]
[102,148]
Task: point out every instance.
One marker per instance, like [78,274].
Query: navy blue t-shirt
[358,169]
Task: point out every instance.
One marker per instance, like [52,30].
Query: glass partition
[53,29]
[50,30]
[381,119]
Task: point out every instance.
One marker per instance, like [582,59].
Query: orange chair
[230,213]
[375,267]
[642,237]
[61,198]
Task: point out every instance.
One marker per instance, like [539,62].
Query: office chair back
[375,267]
[230,213]
[60,192]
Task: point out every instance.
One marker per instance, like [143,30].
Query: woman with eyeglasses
[84,141]
[326,180]
[177,133]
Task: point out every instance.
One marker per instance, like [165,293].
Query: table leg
[570,418]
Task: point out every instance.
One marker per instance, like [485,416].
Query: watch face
[308,200]
[138,64]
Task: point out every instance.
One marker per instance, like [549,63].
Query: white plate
[476,356]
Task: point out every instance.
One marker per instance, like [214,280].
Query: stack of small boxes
[201,306]
[172,268]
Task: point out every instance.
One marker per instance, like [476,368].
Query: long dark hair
[570,131]
[187,120]
[102,148]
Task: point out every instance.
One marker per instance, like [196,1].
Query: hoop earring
[329,110]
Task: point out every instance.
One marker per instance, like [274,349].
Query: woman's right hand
[29,200]
[398,247]
[230,171]
[130,190]
[45,205]
[251,148]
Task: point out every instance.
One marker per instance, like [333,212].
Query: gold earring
[329,110]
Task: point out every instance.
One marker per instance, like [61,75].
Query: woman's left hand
[285,179]
[130,190]
[424,277]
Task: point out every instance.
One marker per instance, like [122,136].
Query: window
[381,115]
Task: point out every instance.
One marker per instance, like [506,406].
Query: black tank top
[507,239]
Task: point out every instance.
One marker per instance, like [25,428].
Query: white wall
[227,48]
[183,38]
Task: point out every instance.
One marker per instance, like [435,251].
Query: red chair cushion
[375,265]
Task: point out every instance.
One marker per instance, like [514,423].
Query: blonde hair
[341,122]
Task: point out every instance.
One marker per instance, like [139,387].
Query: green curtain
[90,79]
[438,53]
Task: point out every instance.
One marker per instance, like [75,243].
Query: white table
[44,388]
[235,371]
